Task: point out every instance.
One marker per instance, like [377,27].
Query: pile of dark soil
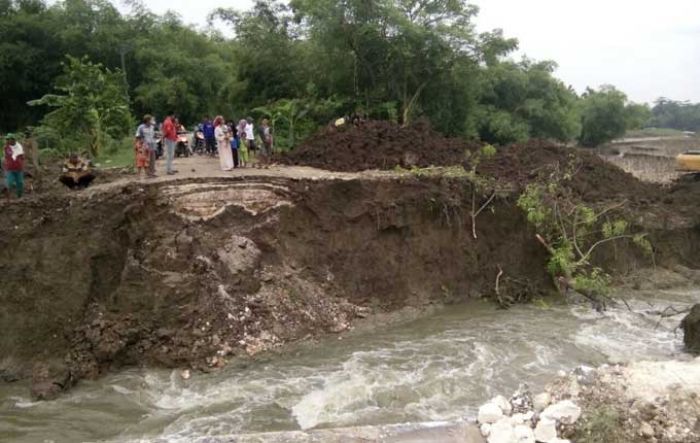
[384,145]
[378,145]
[593,178]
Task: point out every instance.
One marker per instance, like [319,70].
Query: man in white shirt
[250,137]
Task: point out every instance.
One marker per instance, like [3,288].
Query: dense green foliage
[301,64]
[602,116]
[91,109]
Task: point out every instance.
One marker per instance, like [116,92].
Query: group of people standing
[235,143]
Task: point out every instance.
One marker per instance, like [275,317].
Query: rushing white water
[436,368]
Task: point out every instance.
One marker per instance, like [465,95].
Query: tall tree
[602,116]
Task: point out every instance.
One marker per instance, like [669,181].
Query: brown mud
[378,145]
[189,274]
[195,271]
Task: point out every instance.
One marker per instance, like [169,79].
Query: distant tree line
[683,116]
[300,64]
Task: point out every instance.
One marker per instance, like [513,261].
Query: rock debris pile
[526,418]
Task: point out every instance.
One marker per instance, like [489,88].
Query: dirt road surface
[206,167]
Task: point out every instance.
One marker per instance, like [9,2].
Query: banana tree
[286,110]
[91,105]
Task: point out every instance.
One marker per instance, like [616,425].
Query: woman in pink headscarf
[223,141]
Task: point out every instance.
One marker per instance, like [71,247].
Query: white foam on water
[355,389]
[24,403]
[428,372]
[122,390]
[622,335]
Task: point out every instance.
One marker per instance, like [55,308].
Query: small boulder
[541,401]
[489,413]
[45,391]
[646,430]
[566,412]
[691,330]
[502,403]
[546,430]
[521,401]
[502,432]
[520,418]
[523,434]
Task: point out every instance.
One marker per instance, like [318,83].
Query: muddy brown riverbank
[192,272]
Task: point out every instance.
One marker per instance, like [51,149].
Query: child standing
[242,151]
[142,157]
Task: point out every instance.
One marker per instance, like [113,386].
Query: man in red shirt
[14,166]
[169,130]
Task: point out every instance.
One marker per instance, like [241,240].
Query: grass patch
[118,154]
[602,425]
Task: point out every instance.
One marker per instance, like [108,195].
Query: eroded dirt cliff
[192,272]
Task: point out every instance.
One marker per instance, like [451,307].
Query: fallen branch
[498,281]
[475,213]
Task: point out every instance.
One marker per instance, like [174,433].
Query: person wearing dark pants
[209,137]
[234,142]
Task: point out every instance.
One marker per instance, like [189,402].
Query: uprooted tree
[571,231]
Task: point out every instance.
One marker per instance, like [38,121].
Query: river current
[439,367]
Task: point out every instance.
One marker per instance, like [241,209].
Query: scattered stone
[566,412]
[521,401]
[546,430]
[524,434]
[541,401]
[521,418]
[502,432]
[646,430]
[485,429]
[45,391]
[490,413]
[691,330]
[502,403]
[8,375]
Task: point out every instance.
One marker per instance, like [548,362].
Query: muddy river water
[439,367]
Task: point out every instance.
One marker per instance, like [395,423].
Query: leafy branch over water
[572,231]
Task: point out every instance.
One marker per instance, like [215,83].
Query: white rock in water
[546,430]
[541,401]
[565,411]
[524,434]
[490,413]
[502,403]
[185,374]
[485,429]
[502,432]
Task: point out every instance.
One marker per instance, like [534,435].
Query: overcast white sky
[647,48]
